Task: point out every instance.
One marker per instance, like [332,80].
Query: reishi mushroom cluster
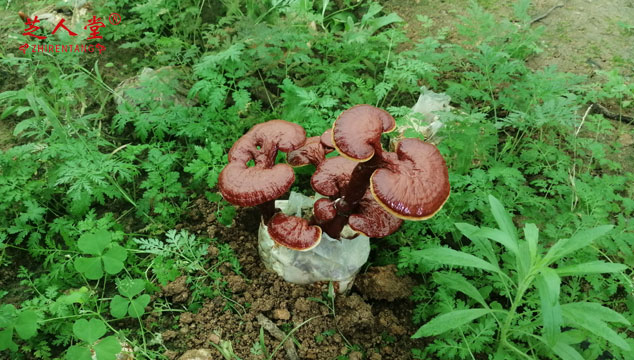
[366,188]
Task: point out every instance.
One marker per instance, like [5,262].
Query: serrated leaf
[449,321]
[590,317]
[108,348]
[90,267]
[548,287]
[89,331]
[446,256]
[578,241]
[78,353]
[131,287]
[137,306]
[26,324]
[503,218]
[94,243]
[113,259]
[591,267]
[119,306]
[459,283]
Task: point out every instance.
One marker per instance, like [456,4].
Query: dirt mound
[378,329]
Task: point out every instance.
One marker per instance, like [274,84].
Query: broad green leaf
[131,287]
[449,321]
[90,267]
[566,352]
[78,353]
[599,311]
[26,324]
[8,313]
[108,348]
[119,306]
[503,218]
[548,286]
[6,340]
[592,267]
[501,237]
[470,231]
[590,317]
[89,331]
[459,283]
[94,243]
[446,256]
[113,259]
[531,233]
[137,306]
[578,241]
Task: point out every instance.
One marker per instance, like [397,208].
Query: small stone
[375,356]
[355,355]
[186,318]
[214,339]
[168,335]
[184,329]
[198,354]
[170,354]
[626,140]
[281,314]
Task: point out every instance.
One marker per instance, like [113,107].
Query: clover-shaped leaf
[107,255]
[128,304]
[25,324]
[89,331]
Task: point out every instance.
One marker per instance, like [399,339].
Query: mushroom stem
[267,209]
[358,184]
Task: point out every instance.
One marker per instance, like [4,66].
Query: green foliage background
[97,180]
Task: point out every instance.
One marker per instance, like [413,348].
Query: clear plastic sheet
[331,260]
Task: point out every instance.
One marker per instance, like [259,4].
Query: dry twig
[289,346]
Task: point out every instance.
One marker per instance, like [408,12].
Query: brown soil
[376,329]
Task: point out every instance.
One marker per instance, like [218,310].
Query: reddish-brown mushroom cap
[326,139]
[249,186]
[312,152]
[415,183]
[356,133]
[293,232]
[332,175]
[372,219]
[324,210]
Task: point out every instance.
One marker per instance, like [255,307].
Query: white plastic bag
[331,260]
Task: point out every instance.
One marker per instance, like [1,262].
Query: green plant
[91,332]
[529,282]
[107,256]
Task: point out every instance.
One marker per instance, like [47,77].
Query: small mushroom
[356,133]
[266,181]
[414,184]
[312,152]
[324,210]
[332,176]
[293,232]
[372,220]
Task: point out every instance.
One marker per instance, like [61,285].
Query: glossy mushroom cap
[332,176]
[326,139]
[249,186]
[414,184]
[312,152]
[324,210]
[372,219]
[356,133]
[293,232]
